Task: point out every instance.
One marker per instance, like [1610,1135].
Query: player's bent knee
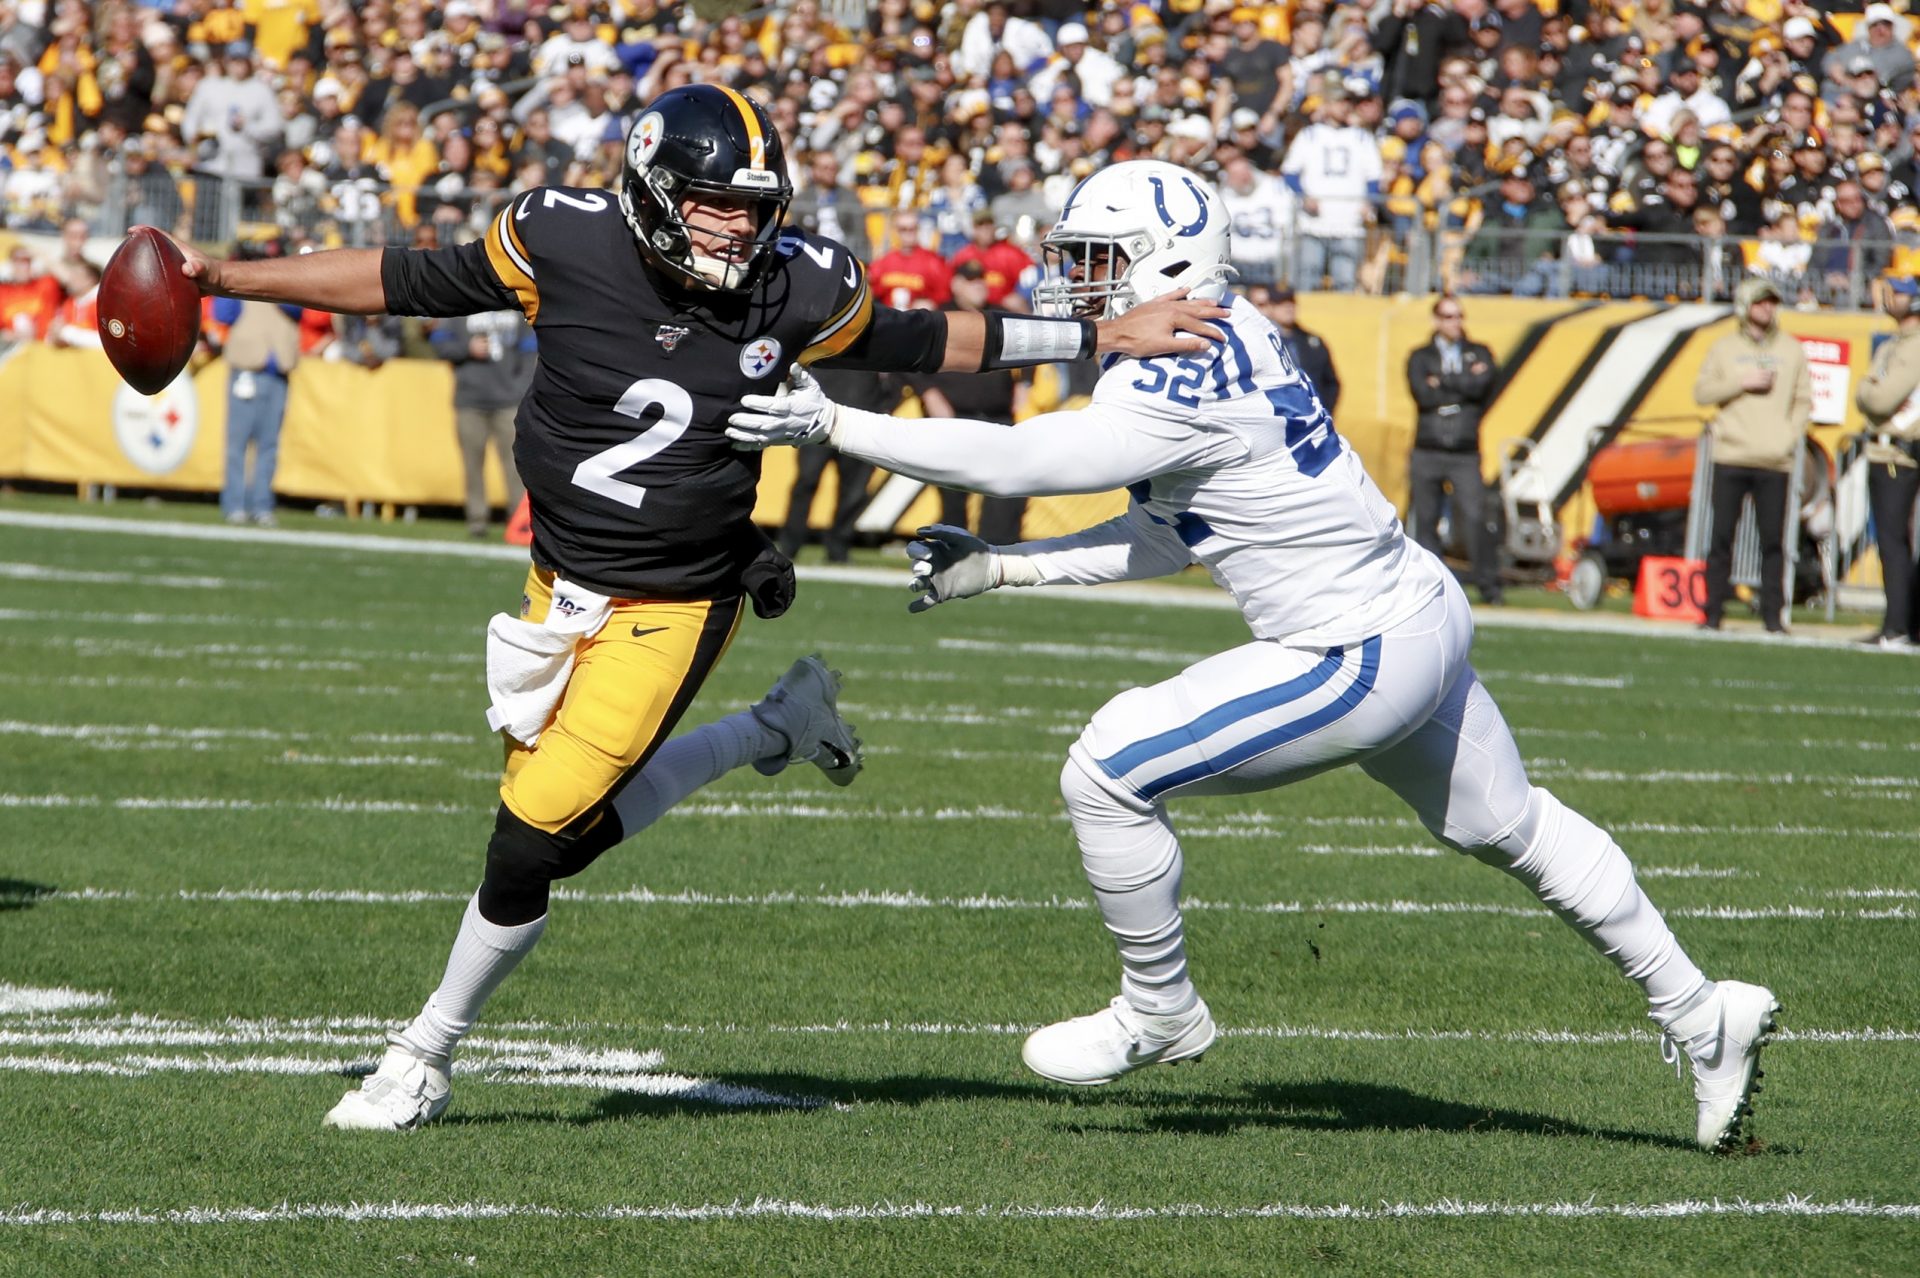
[1502,834]
[522,862]
[1090,793]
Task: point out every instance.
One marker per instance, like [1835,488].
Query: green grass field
[247,792]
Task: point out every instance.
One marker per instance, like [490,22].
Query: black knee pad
[523,862]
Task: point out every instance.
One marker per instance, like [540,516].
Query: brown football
[149,312]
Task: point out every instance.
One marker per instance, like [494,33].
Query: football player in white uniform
[1360,649]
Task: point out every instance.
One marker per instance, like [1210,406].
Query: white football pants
[1407,707]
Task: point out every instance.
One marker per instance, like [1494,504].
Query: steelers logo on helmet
[761,357]
[645,139]
[696,157]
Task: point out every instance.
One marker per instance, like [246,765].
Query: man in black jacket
[1415,37]
[1452,382]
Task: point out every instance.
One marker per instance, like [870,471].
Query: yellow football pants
[631,682]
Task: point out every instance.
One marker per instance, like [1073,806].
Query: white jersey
[1231,461]
[1337,166]
[1291,526]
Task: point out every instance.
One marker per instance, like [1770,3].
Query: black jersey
[636,490]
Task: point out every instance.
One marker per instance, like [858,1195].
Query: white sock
[1575,867]
[483,955]
[690,761]
[1133,861]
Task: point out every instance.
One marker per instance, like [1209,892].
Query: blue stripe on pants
[1332,712]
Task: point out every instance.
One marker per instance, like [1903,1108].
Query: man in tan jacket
[262,346]
[1890,398]
[1756,376]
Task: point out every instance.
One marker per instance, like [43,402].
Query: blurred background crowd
[1538,147]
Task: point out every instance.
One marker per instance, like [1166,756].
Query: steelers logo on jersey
[759,358]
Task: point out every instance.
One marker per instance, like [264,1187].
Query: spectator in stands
[493,356]
[825,207]
[1685,92]
[1726,187]
[1023,208]
[1665,260]
[1309,353]
[234,119]
[76,323]
[1092,70]
[1261,207]
[1334,167]
[950,206]
[1890,398]
[910,274]
[995,28]
[71,266]
[1756,381]
[262,346]
[989,397]
[1009,272]
[1414,36]
[1517,247]
[1857,243]
[29,297]
[1880,39]
[1451,378]
[1784,257]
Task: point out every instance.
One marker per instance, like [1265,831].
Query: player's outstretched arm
[951,563]
[343,280]
[1089,450]
[1171,325]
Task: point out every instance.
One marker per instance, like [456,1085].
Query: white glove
[950,563]
[798,413]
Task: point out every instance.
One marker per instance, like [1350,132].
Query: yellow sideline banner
[1572,372]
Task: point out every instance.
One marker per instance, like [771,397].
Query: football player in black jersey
[656,308]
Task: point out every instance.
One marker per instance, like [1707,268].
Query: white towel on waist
[528,663]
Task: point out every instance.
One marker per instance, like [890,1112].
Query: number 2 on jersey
[596,473]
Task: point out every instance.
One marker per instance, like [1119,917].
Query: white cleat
[1722,1039]
[407,1090]
[802,707]
[1118,1039]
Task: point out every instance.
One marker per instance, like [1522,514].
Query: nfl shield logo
[669,335]
[759,358]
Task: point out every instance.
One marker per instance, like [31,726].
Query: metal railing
[1397,253]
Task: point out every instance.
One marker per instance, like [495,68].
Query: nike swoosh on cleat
[840,757]
[637,631]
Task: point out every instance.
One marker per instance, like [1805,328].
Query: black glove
[768,581]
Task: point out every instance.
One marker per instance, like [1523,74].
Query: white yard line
[18,999]
[909,900]
[523,1068]
[892,579]
[781,1209]
[763,804]
[165,581]
[504,1041]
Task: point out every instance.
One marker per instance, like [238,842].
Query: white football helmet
[1134,232]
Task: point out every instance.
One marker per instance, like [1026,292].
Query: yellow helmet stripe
[756,138]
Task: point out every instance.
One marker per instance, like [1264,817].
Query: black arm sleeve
[896,342]
[443,282]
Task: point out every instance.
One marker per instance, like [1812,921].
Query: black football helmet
[703,140]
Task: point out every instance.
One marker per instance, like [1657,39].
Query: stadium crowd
[1538,147]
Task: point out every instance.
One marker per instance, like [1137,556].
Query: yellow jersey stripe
[756,140]
[507,256]
[844,330]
